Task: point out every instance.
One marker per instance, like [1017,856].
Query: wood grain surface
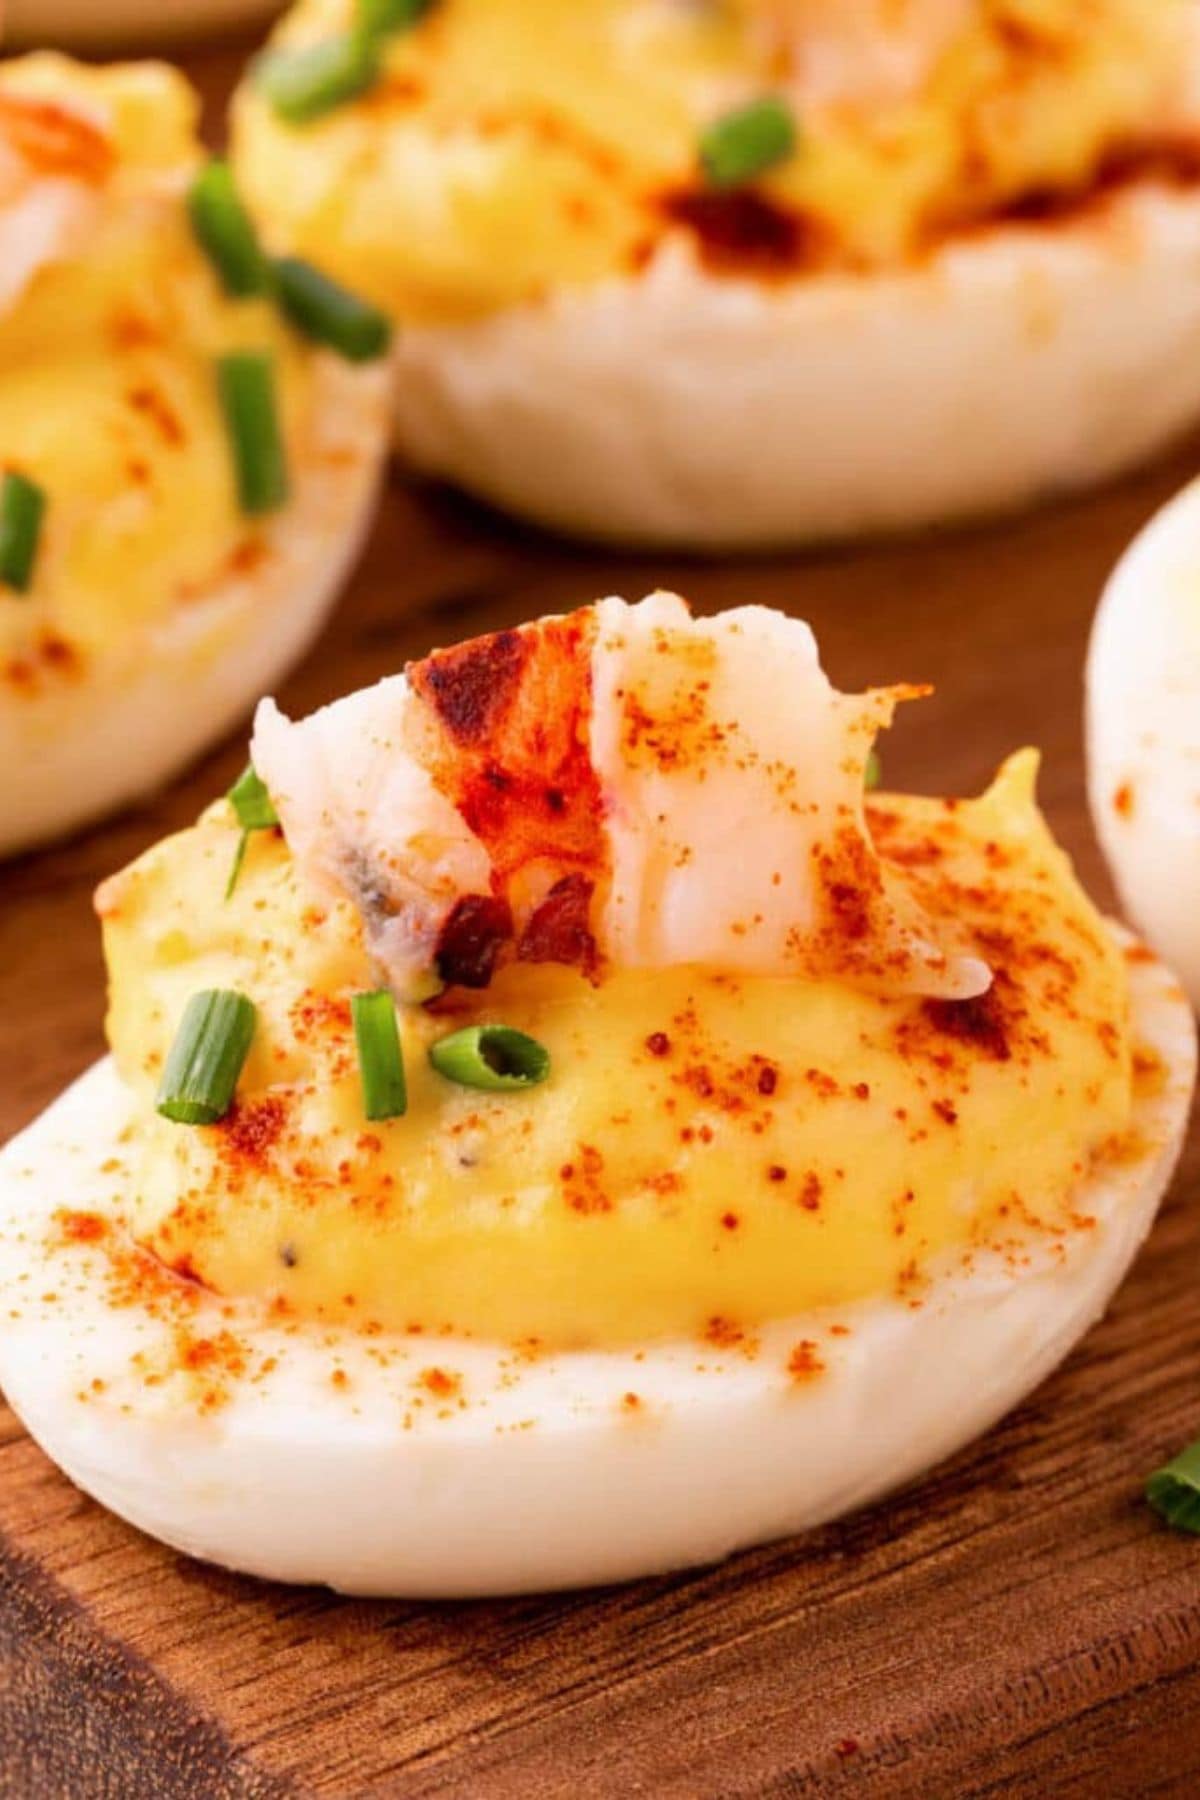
[1017,1624]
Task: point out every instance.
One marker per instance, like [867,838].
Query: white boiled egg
[973,279]
[396,1466]
[1143,719]
[556,1203]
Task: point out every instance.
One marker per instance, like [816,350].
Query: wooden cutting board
[1017,1624]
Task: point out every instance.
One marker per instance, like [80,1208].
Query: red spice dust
[444,1384]
[251,1129]
[805,1361]
[81,1227]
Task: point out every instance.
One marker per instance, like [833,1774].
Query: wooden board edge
[83,1714]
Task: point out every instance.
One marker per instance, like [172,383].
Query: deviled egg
[185,477]
[1143,720]
[733,274]
[558,1127]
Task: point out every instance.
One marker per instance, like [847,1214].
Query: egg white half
[1143,726]
[539,1472]
[152,702]
[678,407]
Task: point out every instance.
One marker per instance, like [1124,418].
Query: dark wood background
[1016,1624]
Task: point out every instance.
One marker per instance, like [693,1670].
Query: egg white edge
[151,703]
[543,1479]
[682,408]
[1143,732]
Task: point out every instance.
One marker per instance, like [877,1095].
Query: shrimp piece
[625,786]
[53,161]
[861,52]
[733,775]
[364,819]
[55,140]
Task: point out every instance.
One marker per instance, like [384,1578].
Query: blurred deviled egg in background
[1143,699]
[722,274]
[185,475]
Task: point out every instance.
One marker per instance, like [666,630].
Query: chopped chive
[380,1058]
[490,1056]
[329,313]
[246,382]
[252,804]
[239,857]
[746,142]
[226,231]
[251,801]
[382,16]
[207,1057]
[873,773]
[302,82]
[1174,1491]
[22,503]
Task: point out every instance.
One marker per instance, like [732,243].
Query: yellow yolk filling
[709,1152]
[513,146]
[108,395]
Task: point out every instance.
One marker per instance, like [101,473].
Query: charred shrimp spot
[471,939]
[289,1256]
[470,687]
[558,930]
[978,1021]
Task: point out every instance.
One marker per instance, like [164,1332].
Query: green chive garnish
[380,1059]
[22,503]
[208,1055]
[490,1056]
[226,231]
[304,81]
[331,314]
[251,801]
[746,142]
[382,16]
[873,773]
[246,382]
[252,804]
[1174,1491]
